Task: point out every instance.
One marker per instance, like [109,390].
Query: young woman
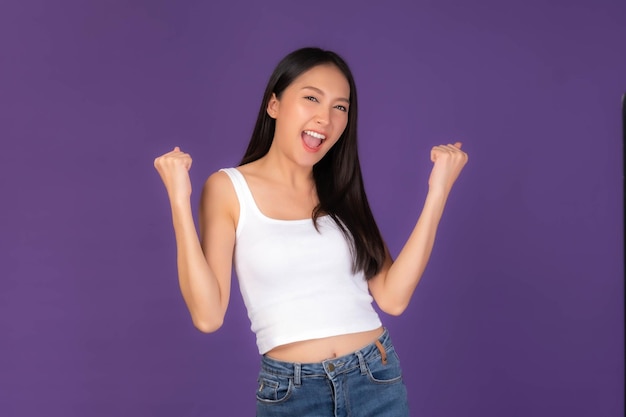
[294,219]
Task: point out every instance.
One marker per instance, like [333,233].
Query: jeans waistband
[330,367]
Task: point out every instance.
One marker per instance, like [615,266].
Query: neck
[286,171]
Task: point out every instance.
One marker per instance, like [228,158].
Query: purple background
[521,310]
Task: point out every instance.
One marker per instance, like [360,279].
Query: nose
[323,116]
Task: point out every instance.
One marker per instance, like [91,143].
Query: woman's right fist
[173,167]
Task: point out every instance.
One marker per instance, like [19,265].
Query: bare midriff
[318,350]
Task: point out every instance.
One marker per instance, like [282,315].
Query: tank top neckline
[258,211]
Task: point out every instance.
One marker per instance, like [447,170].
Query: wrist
[436,191]
[180,202]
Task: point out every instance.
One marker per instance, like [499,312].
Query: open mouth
[312,140]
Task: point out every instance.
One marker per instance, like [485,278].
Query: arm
[393,287]
[204,269]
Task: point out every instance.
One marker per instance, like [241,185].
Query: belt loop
[383,353]
[361,362]
[297,371]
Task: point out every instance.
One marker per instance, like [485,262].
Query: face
[311,114]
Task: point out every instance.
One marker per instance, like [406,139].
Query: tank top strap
[244,195]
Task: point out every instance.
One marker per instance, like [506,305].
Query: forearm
[198,283]
[406,271]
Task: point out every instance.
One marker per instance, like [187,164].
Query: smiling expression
[311,114]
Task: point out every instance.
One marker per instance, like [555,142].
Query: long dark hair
[337,175]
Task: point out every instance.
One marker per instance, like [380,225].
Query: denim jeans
[365,383]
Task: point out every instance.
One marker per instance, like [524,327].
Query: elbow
[208,325]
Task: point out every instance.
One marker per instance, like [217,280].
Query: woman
[294,218]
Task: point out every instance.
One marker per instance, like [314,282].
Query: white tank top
[297,283]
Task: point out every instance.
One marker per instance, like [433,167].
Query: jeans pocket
[273,389]
[388,373]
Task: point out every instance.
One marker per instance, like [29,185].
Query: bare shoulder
[218,195]
[218,182]
[250,170]
[256,175]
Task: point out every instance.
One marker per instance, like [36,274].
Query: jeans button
[331,367]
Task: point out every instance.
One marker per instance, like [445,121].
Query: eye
[342,108]
[311,98]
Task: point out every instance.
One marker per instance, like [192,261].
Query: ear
[272,106]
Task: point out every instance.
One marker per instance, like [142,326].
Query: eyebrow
[322,93]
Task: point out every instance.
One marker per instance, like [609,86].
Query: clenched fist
[173,167]
[448,161]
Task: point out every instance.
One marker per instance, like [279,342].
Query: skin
[283,188]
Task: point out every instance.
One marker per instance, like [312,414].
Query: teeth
[315,134]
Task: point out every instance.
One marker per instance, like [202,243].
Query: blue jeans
[365,383]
